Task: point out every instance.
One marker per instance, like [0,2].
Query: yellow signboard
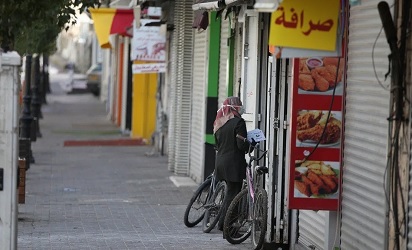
[305,24]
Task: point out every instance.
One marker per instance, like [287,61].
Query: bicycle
[206,204]
[247,213]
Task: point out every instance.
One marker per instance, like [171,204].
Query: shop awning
[215,5]
[201,8]
[260,5]
[109,21]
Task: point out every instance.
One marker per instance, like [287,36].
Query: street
[101,197]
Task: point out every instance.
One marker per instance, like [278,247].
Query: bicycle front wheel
[195,210]
[237,226]
[259,223]
[213,208]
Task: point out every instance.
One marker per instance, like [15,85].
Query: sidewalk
[101,197]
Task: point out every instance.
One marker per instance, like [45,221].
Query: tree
[33,25]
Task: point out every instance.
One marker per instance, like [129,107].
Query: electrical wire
[373,62]
[399,215]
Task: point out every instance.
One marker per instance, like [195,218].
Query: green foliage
[33,25]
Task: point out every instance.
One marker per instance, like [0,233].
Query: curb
[113,142]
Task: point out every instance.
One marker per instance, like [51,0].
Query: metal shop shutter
[182,76]
[363,207]
[172,104]
[223,60]
[410,207]
[184,87]
[198,119]
[311,229]
[172,97]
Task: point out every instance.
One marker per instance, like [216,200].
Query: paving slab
[102,197]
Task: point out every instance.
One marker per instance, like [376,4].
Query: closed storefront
[197,132]
[224,61]
[180,95]
[364,206]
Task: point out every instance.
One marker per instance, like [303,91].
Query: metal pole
[26,118]
[43,81]
[35,101]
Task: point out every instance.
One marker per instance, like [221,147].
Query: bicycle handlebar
[250,145]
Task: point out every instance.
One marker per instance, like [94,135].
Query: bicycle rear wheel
[237,226]
[213,208]
[260,213]
[195,210]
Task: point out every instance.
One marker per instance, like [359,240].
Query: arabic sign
[317,133]
[149,43]
[149,68]
[305,24]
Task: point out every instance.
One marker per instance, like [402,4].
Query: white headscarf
[229,110]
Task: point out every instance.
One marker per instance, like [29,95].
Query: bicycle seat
[262,169]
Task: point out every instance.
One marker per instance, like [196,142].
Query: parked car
[94,79]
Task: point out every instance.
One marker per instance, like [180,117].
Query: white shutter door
[366,132]
[173,99]
[198,128]
[410,205]
[250,60]
[183,21]
[311,229]
[124,83]
[223,60]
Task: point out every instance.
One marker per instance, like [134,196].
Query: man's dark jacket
[230,158]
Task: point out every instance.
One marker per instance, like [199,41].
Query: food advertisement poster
[300,24]
[148,43]
[317,120]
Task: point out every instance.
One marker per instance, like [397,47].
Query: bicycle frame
[250,177]
[252,186]
[241,220]
[212,188]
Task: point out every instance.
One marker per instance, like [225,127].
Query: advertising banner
[305,24]
[316,133]
[149,42]
[148,68]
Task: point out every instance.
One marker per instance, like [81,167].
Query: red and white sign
[316,134]
[148,43]
[149,68]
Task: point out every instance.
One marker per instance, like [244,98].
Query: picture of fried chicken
[303,188]
[303,68]
[327,73]
[333,61]
[311,124]
[331,135]
[332,75]
[306,82]
[308,119]
[320,82]
[323,77]
[313,183]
